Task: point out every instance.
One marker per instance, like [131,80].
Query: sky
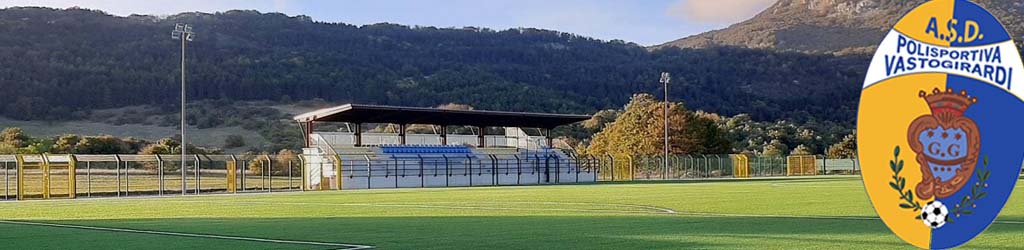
[645,22]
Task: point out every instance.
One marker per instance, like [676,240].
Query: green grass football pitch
[805,213]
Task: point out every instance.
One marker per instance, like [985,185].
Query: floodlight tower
[184,33]
[665,79]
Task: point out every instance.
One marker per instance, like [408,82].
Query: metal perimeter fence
[80,176]
[76,176]
[679,167]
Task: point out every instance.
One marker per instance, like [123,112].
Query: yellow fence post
[325,184]
[789,166]
[305,172]
[46,177]
[797,168]
[21,176]
[812,167]
[741,166]
[803,165]
[337,170]
[631,167]
[72,183]
[798,165]
[232,168]
[744,166]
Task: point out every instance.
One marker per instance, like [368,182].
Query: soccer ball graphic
[934,214]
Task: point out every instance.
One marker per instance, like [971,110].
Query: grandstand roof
[360,113]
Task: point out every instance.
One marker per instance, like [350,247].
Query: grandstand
[343,154]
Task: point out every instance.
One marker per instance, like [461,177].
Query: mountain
[828,25]
[62,64]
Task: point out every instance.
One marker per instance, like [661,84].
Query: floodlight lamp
[182,32]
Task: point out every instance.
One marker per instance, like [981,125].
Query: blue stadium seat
[416,150]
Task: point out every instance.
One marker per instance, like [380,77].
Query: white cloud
[717,11]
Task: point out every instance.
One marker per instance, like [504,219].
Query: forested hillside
[844,26]
[59,64]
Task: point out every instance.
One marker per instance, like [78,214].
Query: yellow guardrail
[801,165]
[741,166]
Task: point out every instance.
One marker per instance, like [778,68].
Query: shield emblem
[937,128]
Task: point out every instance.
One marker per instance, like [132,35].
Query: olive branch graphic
[899,183]
[967,202]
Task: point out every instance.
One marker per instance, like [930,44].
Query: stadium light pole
[184,33]
[665,79]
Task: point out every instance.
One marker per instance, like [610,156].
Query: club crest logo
[938,125]
[946,144]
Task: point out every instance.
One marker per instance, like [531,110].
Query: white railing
[321,143]
[334,138]
[423,139]
[374,139]
[469,140]
[370,139]
[533,142]
[497,141]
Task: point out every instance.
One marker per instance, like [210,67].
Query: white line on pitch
[657,210]
[664,210]
[344,246]
[652,210]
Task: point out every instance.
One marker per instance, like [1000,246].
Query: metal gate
[46,176]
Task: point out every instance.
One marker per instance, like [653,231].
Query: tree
[66,144]
[173,146]
[104,144]
[639,130]
[14,138]
[703,136]
[169,146]
[164,146]
[234,141]
[599,120]
[8,150]
[775,148]
[279,166]
[282,160]
[635,130]
[801,150]
[845,149]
